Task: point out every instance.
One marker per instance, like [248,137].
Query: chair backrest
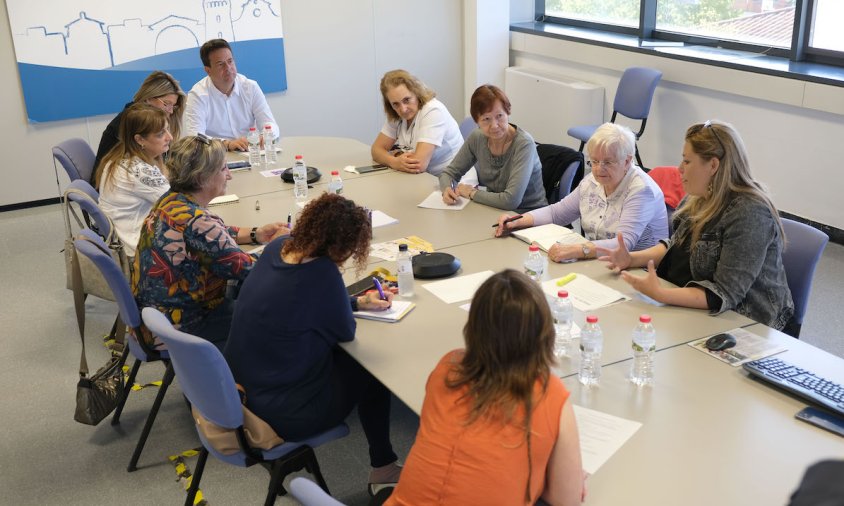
[77,158]
[635,92]
[560,164]
[466,126]
[86,197]
[310,494]
[803,248]
[203,373]
[92,246]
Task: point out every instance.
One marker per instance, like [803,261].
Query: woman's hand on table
[565,252]
[647,284]
[407,162]
[270,231]
[371,301]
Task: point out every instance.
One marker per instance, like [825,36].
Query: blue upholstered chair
[466,126]
[77,158]
[207,382]
[92,246]
[86,197]
[633,99]
[309,494]
[803,248]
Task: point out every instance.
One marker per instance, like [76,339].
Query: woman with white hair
[616,197]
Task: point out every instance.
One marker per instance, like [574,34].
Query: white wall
[336,53]
[794,147]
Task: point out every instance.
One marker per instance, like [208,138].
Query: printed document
[601,435]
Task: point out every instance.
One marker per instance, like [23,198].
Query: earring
[709,188]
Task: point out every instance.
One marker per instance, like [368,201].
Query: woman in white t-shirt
[131,177]
[419,134]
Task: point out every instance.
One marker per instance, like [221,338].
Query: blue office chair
[309,494]
[466,126]
[77,158]
[633,99]
[803,248]
[86,197]
[208,384]
[92,246]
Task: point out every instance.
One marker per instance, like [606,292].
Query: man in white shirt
[225,104]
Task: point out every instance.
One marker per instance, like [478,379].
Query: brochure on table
[748,347]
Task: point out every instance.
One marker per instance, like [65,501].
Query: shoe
[384,477]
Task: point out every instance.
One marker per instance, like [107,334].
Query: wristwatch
[586,250]
[253,234]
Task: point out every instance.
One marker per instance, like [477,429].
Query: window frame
[799,50]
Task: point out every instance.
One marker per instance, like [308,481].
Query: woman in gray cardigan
[504,155]
[726,251]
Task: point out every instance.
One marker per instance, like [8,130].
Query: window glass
[765,22]
[826,28]
[614,12]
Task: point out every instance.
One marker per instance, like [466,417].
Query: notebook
[546,235]
[397,311]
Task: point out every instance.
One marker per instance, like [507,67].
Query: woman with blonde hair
[726,251]
[159,90]
[132,176]
[419,134]
[496,424]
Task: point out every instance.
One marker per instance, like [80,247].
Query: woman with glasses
[497,426]
[508,169]
[159,90]
[186,253]
[132,176]
[419,134]
[616,197]
[726,251]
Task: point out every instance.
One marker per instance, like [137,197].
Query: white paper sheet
[435,201]
[224,199]
[601,435]
[586,294]
[273,172]
[380,219]
[457,289]
[546,235]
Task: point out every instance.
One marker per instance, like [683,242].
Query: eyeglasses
[165,104]
[405,101]
[605,163]
[707,125]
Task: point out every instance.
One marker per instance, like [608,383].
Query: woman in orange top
[495,425]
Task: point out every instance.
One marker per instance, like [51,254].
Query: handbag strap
[118,331]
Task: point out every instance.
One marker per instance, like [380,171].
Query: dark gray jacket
[739,258]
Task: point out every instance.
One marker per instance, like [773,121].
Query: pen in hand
[289,220]
[508,220]
[378,287]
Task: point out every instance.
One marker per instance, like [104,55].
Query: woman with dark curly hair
[291,313]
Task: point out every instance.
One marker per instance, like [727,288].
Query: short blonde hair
[193,160]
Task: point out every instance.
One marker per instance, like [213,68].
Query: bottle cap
[645,318]
[298,157]
[335,173]
[591,319]
[252,128]
[533,247]
[562,293]
[402,247]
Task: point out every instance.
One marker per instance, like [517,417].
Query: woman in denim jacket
[726,251]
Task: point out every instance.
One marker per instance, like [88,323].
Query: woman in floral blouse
[186,254]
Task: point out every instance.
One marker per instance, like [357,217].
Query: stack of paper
[546,235]
[389,250]
[224,199]
[395,313]
[585,293]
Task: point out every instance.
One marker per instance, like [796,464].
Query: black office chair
[561,167]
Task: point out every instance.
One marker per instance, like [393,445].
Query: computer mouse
[720,342]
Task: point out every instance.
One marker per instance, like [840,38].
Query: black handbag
[97,395]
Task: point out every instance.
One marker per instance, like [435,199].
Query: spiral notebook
[397,311]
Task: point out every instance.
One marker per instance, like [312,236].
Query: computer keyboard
[799,381]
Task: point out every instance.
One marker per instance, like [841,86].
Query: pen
[566,279]
[511,218]
[380,290]
[289,218]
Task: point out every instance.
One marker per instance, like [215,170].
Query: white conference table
[324,153]
[710,433]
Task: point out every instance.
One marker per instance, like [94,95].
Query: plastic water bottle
[300,178]
[405,271]
[591,345]
[336,183]
[254,139]
[269,145]
[563,313]
[644,346]
[534,263]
